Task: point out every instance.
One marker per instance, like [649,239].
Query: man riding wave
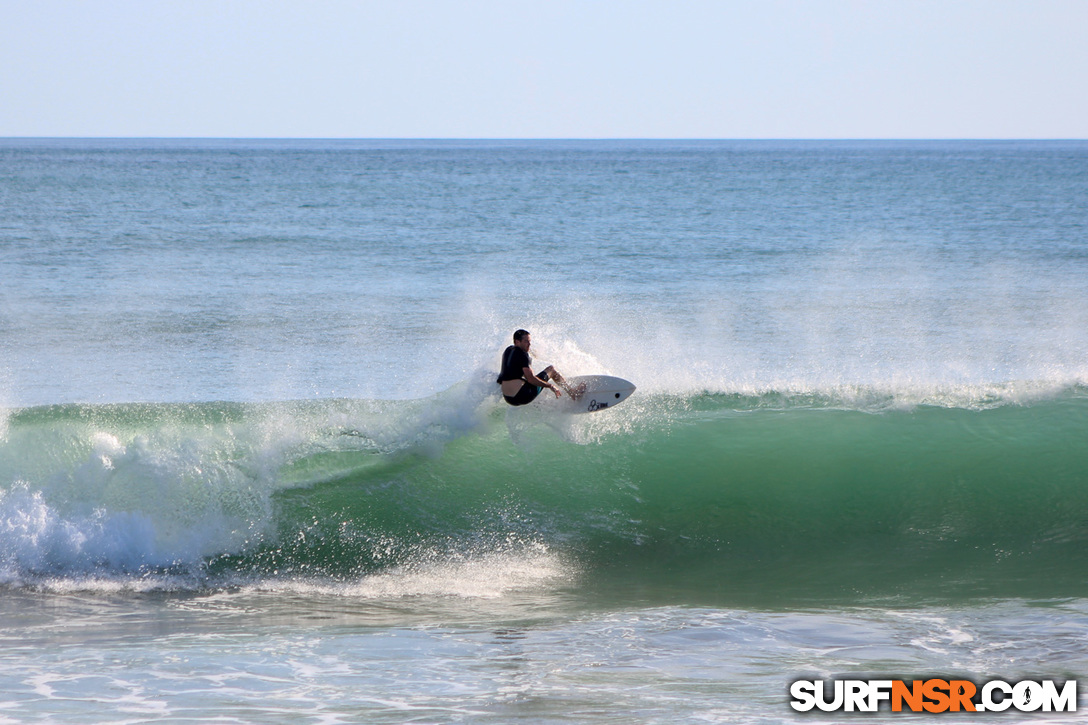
[519,384]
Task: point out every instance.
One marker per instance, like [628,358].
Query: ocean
[255,468]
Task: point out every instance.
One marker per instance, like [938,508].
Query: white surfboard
[594,393]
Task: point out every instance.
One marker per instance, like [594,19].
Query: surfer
[519,384]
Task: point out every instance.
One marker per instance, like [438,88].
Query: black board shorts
[527,394]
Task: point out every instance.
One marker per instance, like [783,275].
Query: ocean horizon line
[562,139]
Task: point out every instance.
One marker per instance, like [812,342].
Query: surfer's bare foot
[577,391]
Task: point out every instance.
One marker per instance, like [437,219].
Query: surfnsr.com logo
[933,695]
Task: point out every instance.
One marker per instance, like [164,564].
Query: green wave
[820,502]
[692,497]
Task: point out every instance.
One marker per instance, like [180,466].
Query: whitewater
[254,466]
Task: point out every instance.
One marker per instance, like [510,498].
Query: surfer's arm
[534,380]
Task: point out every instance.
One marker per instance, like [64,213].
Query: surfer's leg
[550,373]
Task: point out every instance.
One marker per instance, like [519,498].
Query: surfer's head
[522,339]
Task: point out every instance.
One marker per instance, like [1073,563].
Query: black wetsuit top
[514,362]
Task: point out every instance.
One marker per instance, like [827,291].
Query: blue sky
[545,69]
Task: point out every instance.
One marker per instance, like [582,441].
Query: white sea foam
[85,499]
[35,537]
[479,573]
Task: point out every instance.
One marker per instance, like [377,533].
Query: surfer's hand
[555,389]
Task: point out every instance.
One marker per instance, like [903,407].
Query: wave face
[690,497]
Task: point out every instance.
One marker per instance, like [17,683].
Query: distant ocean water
[254,466]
